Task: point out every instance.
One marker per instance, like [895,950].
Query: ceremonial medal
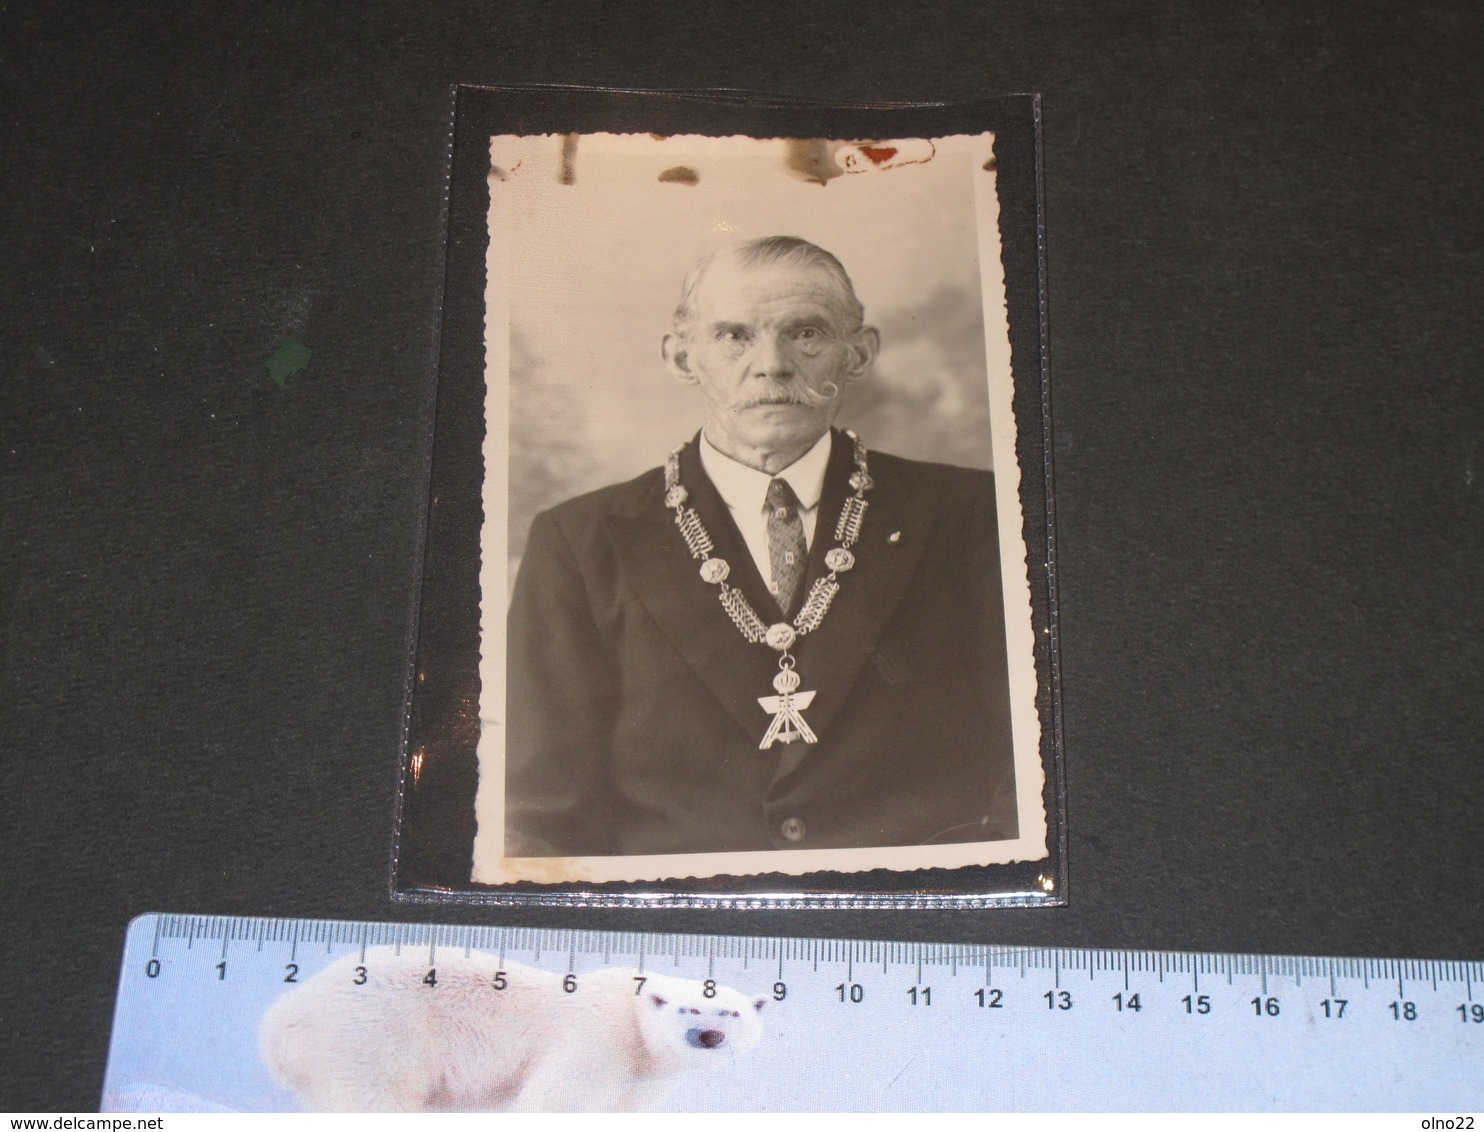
[787,724]
[788,705]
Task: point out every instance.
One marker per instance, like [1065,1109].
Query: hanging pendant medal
[788,705]
[788,724]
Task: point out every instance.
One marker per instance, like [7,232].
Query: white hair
[787,250]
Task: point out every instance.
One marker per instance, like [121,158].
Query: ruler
[796,1024]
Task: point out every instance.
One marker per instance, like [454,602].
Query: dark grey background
[1265,273]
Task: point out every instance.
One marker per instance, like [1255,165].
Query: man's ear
[676,351]
[863,353]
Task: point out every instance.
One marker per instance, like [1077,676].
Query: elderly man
[777,640]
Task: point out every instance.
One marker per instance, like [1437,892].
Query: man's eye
[733,336]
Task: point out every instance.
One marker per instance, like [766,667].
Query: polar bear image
[395,1033]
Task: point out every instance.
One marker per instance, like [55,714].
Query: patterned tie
[786,550]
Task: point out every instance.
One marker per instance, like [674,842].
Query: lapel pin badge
[894,537]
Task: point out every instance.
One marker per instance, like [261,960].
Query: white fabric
[745,492]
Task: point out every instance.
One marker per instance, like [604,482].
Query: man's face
[771,351]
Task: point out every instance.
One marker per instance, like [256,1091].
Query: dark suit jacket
[633,709]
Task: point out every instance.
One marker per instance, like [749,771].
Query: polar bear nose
[705,1039]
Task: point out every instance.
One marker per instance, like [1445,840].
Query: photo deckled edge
[491,867]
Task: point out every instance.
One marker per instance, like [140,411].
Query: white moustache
[788,395]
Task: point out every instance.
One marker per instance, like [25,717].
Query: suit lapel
[667,582]
[830,658]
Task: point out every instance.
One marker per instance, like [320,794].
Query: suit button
[793,829]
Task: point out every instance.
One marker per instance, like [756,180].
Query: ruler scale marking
[1436,988]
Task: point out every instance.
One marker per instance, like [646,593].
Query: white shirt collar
[746,489]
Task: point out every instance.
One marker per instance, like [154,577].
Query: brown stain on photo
[568,175]
[813,159]
[680,175]
[884,156]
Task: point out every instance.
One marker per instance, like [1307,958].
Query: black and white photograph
[754,590]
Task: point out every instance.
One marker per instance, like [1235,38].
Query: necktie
[786,550]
